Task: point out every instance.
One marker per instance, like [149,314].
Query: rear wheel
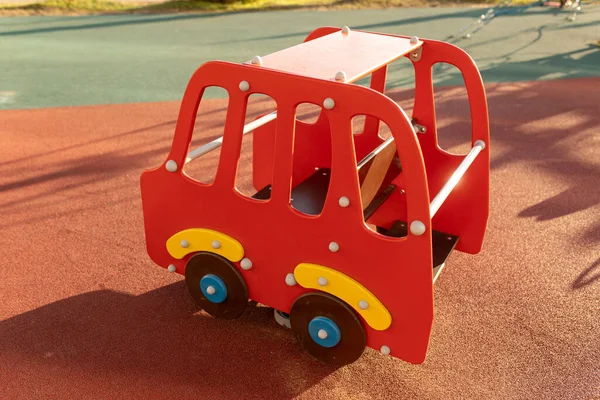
[328,329]
[216,285]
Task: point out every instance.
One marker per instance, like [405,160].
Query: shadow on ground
[151,338]
[157,342]
[503,67]
[589,276]
[554,138]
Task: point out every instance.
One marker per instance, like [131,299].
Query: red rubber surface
[85,314]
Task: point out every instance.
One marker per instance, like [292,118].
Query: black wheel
[327,328]
[216,285]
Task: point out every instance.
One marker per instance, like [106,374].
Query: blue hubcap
[213,288]
[324,331]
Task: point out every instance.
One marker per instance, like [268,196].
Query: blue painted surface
[113,59]
[220,293]
[334,334]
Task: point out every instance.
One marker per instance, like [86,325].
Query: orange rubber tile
[85,314]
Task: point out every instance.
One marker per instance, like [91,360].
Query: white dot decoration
[244,86]
[417,228]
[328,103]
[171,166]
[363,304]
[385,350]
[246,264]
[290,280]
[322,281]
[344,201]
[172,268]
[216,244]
[334,247]
[185,244]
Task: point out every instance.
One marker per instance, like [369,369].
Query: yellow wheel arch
[198,239]
[314,276]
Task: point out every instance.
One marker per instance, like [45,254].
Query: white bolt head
[244,86]
[322,281]
[216,244]
[256,60]
[363,304]
[171,166]
[340,76]
[171,268]
[246,264]
[385,350]
[480,143]
[414,40]
[345,30]
[334,247]
[417,228]
[185,244]
[329,103]
[210,290]
[290,280]
[322,334]
[344,201]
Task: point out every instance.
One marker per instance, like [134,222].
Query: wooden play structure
[347,231]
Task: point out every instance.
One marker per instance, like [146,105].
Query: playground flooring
[84,313]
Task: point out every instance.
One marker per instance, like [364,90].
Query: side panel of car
[277,238]
[465,212]
[472,194]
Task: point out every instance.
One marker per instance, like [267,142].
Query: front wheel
[327,328]
[216,285]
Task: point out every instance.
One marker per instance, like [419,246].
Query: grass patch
[68,7]
[79,7]
[244,5]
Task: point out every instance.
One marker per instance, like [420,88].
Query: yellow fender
[347,289]
[197,239]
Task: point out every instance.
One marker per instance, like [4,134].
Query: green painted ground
[58,61]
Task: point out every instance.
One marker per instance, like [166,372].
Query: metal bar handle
[455,178]
[215,144]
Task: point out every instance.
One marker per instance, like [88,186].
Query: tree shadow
[150,14]
[380,25]
[577,63]
[97,170]
[545,127]
[500,67]
[156,337]
[98,22]
[587,277]
[592,234]
[512,11]
[576,198]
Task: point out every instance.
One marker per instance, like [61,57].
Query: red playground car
[346,231]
